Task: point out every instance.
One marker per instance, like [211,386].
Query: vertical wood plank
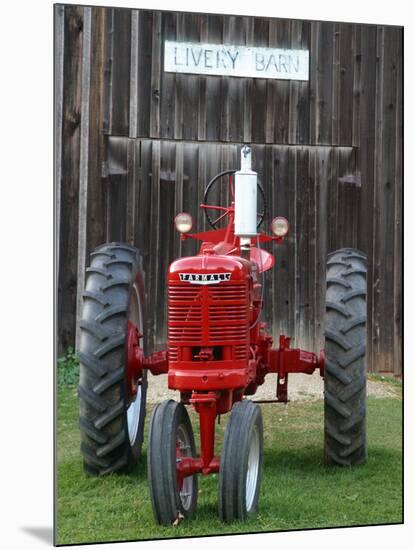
[213,84]
[192,192]
[121,66]
[109,54]
[154,240]
[59,37]
[277,119]
[180,179]
[131,190]
[202,182]
[322,155]
[166,234]
[202,83]
[191,83]
[248,114]
[225,122]
[259,87]
[336,91]
[376,267]
[96,199]
[267,180]
[179,85]
[332,197]
[156,75]
[343,84]
[271,89]
[283,272]
[143,156]
[322,40]
[141,160]
[117,188]
[236,34]
[313,83]
[346,82]
[167,110]
[144,91]
[312,237]
[366,161]
[133,84]
[348,201]
[398,255]
[293,255]
[357,49]
[385,197]
[71,116]
[187,85]
[299,91]
[302,249]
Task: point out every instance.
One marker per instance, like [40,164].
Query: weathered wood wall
[134,145]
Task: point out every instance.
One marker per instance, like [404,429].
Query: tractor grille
[184,314]
[241,352]
[208,316]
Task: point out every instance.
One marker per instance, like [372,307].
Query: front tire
[170,439]
[111,421]
[241,462]
[345,358]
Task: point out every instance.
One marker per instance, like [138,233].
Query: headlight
[183,222]
[279,226]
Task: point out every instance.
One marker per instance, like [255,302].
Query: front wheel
[170,440]
[241,462]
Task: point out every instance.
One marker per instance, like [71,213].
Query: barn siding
[69,173]
[328,152]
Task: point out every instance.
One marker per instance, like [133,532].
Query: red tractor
[219,352]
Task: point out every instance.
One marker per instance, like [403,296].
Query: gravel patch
[301,387]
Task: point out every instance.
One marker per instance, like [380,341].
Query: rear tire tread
[345,363]
[105,444]
[338,281]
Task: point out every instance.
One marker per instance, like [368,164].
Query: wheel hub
[184,483]
[135,360]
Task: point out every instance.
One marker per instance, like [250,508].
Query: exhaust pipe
[245,200]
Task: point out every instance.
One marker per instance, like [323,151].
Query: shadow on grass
[139,470]
[206,510]
[305,460]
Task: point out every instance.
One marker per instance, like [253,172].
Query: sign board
[240,61]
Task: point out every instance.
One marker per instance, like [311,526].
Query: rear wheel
[345,358]
[170,440]
[111,413]
[241,462]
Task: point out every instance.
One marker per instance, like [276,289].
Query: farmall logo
[204,278]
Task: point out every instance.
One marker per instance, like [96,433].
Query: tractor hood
[209,269]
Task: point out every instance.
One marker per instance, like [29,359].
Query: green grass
[298,490]
[68,368]
[386,380]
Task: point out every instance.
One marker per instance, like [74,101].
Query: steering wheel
[223,209]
